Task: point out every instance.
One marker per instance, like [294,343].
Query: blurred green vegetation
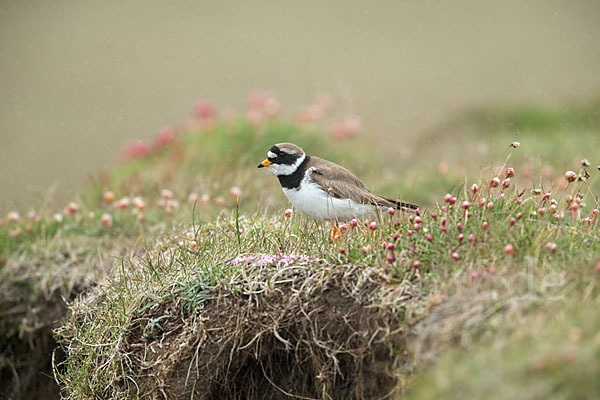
[57,256]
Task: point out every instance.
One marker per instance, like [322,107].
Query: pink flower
[255,117]
[271,107]
[418,220]
[107,220]
[308,115]
[471,238]
[171,206]
[418,212]
[570,176]
[390,258]
[461,237]
[14,232]
[416,264]
[474,188]
[551,247]
[13,216]
[484,226]
[391,246]
[164,137]
[448,198]
[391,211]
[353,223]
[343,228]
[342,250]
[108,197]
[123,203]
[257,99]
[139,203]
[373,225]
[204,110]
[71,209]
[495,182]
[455,256]
[509,249]
[135,149]
[465,205]
[429,238]
[366,249]
[345,127]
[166,194]
[510,172]
[512,222]
[416,227]
[519,216]
[235,192]
[288,213]
[595,212]
[506,183]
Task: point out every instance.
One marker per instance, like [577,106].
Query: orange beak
[265,163]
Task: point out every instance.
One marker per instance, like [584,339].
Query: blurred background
[80,79]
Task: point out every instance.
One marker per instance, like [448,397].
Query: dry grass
[157,308]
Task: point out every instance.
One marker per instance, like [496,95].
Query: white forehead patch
[288,151]
[270,154]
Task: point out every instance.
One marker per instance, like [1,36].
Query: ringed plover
[323,189]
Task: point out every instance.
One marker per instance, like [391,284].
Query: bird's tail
[398,204]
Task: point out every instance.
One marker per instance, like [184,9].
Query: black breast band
[292,181]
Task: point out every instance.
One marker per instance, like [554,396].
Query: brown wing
[342,184]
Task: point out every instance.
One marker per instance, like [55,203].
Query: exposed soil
[323,332]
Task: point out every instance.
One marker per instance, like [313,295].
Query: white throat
[285,169]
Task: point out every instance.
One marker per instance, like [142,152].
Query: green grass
[175,273]
[463,316]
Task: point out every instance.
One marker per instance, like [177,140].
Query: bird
[325,190]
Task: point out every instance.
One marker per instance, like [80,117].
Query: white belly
[312,200]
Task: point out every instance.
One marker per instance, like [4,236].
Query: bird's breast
[312,200]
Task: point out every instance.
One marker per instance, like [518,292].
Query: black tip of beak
[260,166]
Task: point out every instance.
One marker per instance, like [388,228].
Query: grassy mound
[177,275]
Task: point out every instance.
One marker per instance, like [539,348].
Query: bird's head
[283,158]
